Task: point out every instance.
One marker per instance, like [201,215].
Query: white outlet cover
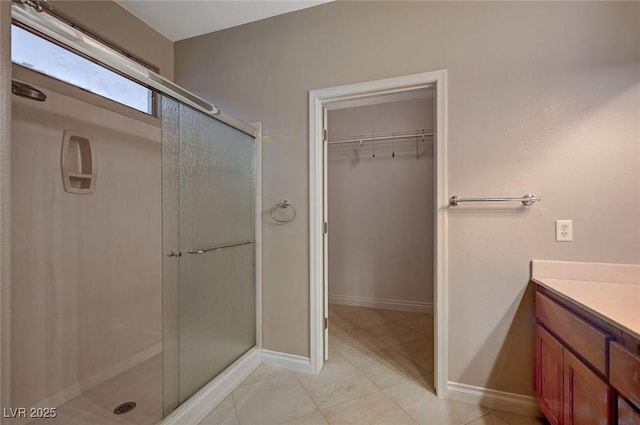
[564,230]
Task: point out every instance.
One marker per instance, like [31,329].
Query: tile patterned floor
[380,372]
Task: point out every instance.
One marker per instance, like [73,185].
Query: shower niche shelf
[78,163]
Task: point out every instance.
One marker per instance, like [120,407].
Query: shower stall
[134,246]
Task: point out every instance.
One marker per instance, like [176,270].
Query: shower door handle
[174,254]
[218,248]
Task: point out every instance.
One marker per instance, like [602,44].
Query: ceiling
[180,19]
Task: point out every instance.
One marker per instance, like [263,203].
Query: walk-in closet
[380,196]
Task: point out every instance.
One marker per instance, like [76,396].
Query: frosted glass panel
[170,243]
[217,174]
[217,313]
[209,192]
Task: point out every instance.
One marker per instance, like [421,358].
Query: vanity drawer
[632,344]
[587,341]
[625,372]
[627,415]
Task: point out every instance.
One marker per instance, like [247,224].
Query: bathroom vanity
[587,359]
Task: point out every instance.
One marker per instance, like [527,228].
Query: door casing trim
[325,98]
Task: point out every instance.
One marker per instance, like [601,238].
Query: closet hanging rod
[527,200]
[382,136]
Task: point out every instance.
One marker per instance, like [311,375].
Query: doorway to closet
[377,263]
[380,249]
[379,200]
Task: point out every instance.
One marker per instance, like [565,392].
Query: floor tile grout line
[420,335]
[347,355]
[401,371]
[411,360]
[324,416]
[377,386]
[283,374]
[235,409]
[347,401]
[400,407]
[484,416]
[364,329]
[311,398]
[321,410]
[352,400]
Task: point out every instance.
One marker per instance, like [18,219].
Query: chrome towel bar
[218,248]
[527,200]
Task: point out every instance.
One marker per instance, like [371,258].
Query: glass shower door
[214,190]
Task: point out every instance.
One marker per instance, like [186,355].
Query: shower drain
[125,408]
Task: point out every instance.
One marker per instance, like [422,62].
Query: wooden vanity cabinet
[625,377]
[625,372]
[571,367]
[549,375]
[588,399]
[587,371]
[627,415]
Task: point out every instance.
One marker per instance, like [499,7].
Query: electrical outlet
[564,230]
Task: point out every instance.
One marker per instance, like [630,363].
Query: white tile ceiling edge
[180,19]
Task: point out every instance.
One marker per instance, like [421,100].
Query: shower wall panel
[86,268]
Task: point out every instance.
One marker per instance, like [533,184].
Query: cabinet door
[587,399]
[624,373]
[627,415]
[549,378]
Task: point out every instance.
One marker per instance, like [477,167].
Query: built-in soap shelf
[78,163]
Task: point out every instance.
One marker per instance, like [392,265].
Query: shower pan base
[142,384]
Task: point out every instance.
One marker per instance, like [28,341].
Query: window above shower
[41,55]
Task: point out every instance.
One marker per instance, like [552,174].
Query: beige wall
[381,209]
[543,98]
[115,24]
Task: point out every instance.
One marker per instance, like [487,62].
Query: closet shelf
[372,137]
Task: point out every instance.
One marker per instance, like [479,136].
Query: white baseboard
[286,361]
[381,303]
[199,405]
[204,401]
[510,402]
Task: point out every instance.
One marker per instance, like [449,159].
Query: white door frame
[324,98]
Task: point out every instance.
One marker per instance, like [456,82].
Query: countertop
[609,291]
